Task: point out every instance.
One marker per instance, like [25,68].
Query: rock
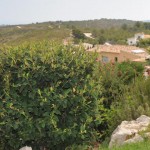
[127,131]
[143,119]
[146,135]
[136,138]
[26,148]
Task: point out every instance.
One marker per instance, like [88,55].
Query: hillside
[58,30]
[100,24]
[33,32]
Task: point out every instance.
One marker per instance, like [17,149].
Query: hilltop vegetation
[35,32]
[117,34]
[103,30]
[99,24]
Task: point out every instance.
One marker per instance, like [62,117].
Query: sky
[32,11]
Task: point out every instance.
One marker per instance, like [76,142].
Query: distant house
[132,41]
[136,38]
[146,36]
[107,43]
[88,35]
[119,53]
[139,36]
[87,46]
[18,27]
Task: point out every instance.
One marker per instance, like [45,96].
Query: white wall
[139,36]
[132,41]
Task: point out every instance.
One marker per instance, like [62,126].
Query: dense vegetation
[103,30]
[99,23]
[135,100]
[14,35]
[56,96]
[117,35]
[50,97]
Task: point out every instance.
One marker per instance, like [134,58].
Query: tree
[147,26]
[50,97]
[124,26]
[78,34]
[101,40]
[145,43]
[137,24]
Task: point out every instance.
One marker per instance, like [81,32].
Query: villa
[119,53]
[134,40]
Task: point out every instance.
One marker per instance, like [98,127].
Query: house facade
[119,53]
[139,36]
[134,40]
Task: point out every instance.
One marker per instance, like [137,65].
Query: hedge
[50,96]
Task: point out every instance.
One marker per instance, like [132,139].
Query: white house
[135,39]
[18,27]
[132,41]
[88,35]
[139,35]
[87,46]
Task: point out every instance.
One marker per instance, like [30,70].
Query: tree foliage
[133,103]
[116,79]
[49,97]
[144,43]
[78,34]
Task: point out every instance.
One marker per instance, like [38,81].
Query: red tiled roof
[146,36]
[113,48]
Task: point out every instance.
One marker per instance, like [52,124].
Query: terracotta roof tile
[113,48]
[146,36]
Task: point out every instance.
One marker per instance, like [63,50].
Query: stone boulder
[26,148]
[128,131]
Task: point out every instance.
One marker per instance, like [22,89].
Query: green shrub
[116,79]
[133,103]
[130,70]
[77,34]
[144,43]
[50,96]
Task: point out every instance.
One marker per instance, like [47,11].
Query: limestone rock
[26,148]
[147,135]
[136,138]
[127,131]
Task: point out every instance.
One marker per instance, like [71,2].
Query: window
[139,37]
[105,59]
[116,59]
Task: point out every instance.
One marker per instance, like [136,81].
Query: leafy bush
[50,96]
[116,79]
[133,103]
[144,43]
[78,34]
[128,71]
